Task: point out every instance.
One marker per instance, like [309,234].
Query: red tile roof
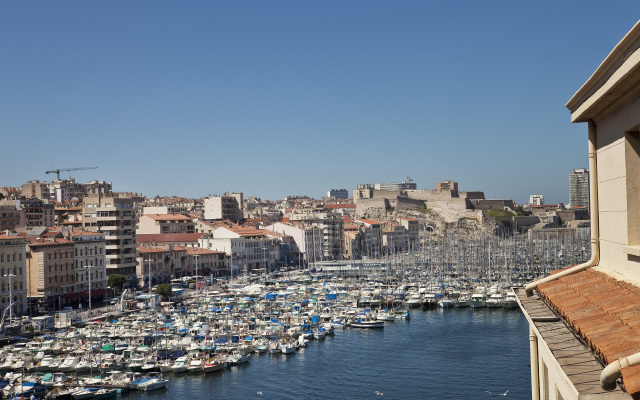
[168,237]
[49,241]
[168,217]
[340,206]
[604,312]
[368,221]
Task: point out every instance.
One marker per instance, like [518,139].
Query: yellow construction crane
[57,171]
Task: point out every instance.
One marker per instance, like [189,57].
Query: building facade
[394,186]
[13,261]
[536,200]
[447,185]
[224,207]
[583,320]
[90,265]
[338,193]
[11,215]
[164,223]
[114,216]
[51,271]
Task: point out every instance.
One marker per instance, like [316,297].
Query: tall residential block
[115,217]
[579,188]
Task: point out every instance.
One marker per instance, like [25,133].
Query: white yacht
[510,301]
[478,300]
[495,300]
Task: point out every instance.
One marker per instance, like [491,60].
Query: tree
[116,281]
[164,290]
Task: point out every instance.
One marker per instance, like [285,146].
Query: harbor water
[437,354]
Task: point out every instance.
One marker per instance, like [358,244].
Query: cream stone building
[164,223]
[13,262]
[585,321]
[90,258]
[114,216]
[50,270]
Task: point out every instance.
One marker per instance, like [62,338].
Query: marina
[406,359]
[222,327]
[219,332]
[168,345]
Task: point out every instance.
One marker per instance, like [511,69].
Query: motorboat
[154,383]
[180,364]
[478,300]
[195,365]
[495,300]
[510,300]
[429,300]
[367,323]
[414,300]
[462,301]
[445,302]
[212,366]
[385,316]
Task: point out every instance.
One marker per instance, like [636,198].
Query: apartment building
[13,277]
[11,215]
[447,185]
[338,193]
[51,270]
[154,265]
[227,207]
[90,264]
[114,216]
[372,246]
[205,262]
[579,188]
[38,212]
[412,229]
[164,223]
[248,248]
[396,186]
[330,223]
[36,190]
[307,239]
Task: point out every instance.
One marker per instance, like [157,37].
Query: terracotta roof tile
[631,378]
[604,312]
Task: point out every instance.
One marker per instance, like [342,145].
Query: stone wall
[451,204]
[493,204]
[366,207]
[404,203]
[472,195]
[526,221]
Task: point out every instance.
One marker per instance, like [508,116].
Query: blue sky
[276,98]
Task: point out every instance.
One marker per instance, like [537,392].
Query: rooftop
[603,312]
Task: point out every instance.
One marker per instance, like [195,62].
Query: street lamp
[88,267]
[149,270]
[264,258]
[10,296]
[196,256]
